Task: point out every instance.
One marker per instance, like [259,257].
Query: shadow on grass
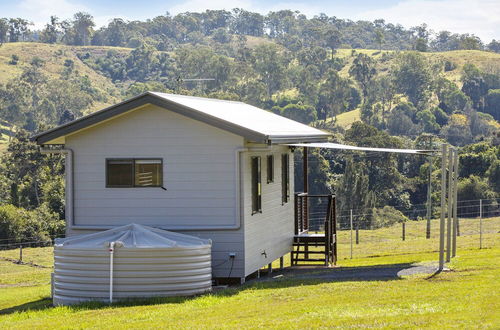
[289,277]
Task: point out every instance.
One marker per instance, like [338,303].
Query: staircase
[320,246]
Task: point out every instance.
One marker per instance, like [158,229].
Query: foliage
[386,217]
[19,224]
[413,76]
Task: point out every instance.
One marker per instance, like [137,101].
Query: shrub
[39,225]
[387,216]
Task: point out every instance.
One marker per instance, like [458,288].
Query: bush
[14,59]
[386,217]
[20,225]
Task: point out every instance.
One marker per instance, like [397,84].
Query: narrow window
[256,186]
[270,168]
[285,178]
[126,173]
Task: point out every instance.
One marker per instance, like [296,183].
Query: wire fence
[369,233]
[363,233]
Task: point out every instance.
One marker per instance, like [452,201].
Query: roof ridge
[198,97]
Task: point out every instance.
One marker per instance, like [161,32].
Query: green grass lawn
[465,297]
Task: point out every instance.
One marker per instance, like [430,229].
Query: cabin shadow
[288,277]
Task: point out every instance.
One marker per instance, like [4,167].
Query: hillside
[54,57]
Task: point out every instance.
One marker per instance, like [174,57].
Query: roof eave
[282,139]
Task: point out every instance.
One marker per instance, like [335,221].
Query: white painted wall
[272,230]
[199,171]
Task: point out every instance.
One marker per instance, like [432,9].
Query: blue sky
[481,17]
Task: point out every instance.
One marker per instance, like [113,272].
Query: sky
[480,17]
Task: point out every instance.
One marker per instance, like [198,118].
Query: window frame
[133,160]
[270,168]
[285,178]
[256,193]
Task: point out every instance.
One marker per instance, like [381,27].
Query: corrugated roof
[255,124]
[245,115]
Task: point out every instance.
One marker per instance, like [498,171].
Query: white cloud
[480,17]
[39,11]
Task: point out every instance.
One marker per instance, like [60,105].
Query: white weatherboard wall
[199,172]
[272,230]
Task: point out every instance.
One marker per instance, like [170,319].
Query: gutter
[68,169]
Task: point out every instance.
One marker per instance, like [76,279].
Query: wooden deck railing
[304,202]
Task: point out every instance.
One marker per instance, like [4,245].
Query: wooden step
[310,259]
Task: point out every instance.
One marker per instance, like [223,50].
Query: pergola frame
[449,178]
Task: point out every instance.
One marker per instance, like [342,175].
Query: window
[270,168]
[126,173]
[256,186]
[285,178]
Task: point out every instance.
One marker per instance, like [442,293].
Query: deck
[324,240]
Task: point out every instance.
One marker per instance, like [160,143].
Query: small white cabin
[204,167]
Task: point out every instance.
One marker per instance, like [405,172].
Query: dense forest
[391,80]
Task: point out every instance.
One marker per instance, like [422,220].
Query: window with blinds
[131,172]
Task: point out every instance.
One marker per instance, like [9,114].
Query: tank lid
[132,236]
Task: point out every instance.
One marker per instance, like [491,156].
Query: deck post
[270,268]
[281,263]
[306,186]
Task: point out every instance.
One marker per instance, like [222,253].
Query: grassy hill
[483,60]
[54,57]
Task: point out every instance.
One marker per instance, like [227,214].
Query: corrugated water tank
[131,261]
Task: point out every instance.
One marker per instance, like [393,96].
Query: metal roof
[328,145]
[252,123]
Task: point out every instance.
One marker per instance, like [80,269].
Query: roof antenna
[181,80]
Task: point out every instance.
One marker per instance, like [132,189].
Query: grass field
[465,297]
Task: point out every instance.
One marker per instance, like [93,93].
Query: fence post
[444,148]
[429,199]
[404,230]
[455,207]
[480,223]
[351,232]
[357,231]
[450,205]
[20,253]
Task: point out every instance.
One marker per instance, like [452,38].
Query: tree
[468,41]
[474,85]
[270,64]
[301,113]
[18,28]
[379,37]
[331,37]
[4,28]
[333,95]
[363,70]
[83,24]
[50,33]
[413,77]
[493,103]
[493,46]
[116,30]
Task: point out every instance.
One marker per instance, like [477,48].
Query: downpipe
[111,257]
